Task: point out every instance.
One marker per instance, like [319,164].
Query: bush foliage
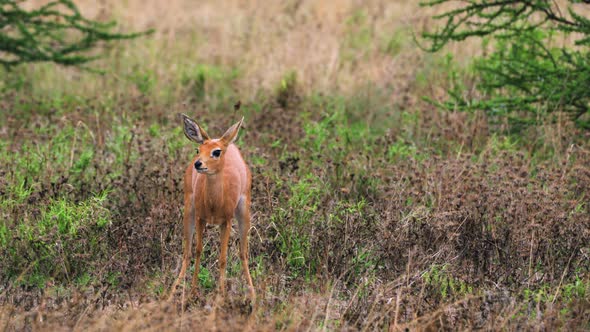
[55,32]
[531,69]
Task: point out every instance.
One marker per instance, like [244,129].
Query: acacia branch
[56,32]
[524,70]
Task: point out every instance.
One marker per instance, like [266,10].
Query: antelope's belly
[215,215]
[217,220]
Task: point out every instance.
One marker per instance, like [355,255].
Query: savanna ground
[372,209]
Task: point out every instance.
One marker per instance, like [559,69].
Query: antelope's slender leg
[198,252]
[225,232]
[243,216]
[188,231]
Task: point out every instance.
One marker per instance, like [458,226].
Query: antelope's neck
[214,187]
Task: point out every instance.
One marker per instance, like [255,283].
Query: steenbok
[216,189]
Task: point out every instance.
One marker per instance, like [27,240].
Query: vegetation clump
[536,58]
[55,32]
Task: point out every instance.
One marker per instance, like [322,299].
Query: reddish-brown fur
[215,194]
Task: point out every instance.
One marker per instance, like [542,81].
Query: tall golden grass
[331,46]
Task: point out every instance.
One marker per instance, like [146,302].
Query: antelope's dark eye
[216,153]
[197,150]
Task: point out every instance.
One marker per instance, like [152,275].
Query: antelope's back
[237,170]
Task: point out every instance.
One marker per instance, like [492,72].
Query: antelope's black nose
[198,164]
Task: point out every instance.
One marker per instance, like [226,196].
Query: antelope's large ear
[231,134]
[193,131]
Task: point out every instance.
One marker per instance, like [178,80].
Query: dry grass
[335,46]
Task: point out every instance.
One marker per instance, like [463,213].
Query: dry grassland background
[372,209]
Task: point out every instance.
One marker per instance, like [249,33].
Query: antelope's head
[211,150]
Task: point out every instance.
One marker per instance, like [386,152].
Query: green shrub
[524,73]
[45,34]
